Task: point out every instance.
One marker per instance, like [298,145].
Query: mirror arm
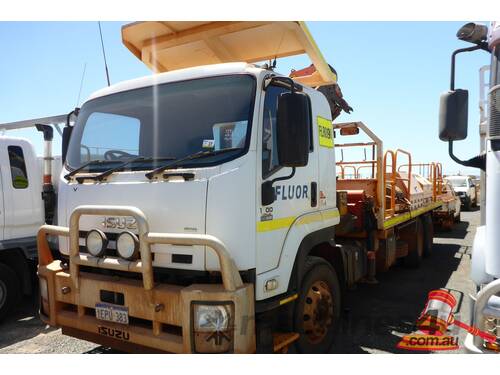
[284,177]
[75,112]
[268,185]
[284,81]
[454,54]
[475,162]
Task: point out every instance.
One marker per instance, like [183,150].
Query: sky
[391,73]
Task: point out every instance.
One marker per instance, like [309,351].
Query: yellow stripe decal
[286,222]
[289,299]
[266,226]
[410,215]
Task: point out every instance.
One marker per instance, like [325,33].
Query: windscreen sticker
[208,143]
[325,130]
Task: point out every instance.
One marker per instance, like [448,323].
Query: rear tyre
[317,310]
[10,290]
[415,252]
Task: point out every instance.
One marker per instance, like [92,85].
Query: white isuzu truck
[198,207]
[27,200]
[485,270]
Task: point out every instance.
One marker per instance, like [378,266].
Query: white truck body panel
[22,208]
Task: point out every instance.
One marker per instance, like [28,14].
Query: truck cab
[215,128]
[465,188]
[21,214]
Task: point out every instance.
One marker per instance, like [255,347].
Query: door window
[17,167]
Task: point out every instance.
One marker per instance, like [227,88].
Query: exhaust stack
[48,193]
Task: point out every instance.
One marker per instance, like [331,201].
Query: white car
[465,188]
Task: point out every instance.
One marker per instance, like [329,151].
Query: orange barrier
[394,178]
[392,207]
[433,172]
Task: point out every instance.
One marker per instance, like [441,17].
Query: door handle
[314,194]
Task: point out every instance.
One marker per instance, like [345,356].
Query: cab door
[295,196]
[3,165]
[21,189]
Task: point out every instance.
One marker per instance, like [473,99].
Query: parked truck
[26,202]
[465,188]
[485,269]
[200,210]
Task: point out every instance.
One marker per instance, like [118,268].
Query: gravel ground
[374,319]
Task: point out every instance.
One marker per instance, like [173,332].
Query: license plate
[111,313]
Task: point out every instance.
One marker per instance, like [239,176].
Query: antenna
[81,85]
[104,53]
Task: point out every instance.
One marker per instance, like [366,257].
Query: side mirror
[66,135]
[453,113]
[293,129]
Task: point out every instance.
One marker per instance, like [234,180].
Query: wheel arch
[320,243]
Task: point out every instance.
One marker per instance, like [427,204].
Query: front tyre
[317,309]
[9,290]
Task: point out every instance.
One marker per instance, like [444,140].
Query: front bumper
[160,315]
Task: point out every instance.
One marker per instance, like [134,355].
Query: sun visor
[167,46]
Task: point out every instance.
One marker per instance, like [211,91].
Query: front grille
[494,112]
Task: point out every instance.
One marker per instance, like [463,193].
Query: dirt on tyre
[416,250]
[317,309]
[9,290]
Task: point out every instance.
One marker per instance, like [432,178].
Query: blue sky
[391,73]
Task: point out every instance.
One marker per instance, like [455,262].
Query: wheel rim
[3,293]
[318,312]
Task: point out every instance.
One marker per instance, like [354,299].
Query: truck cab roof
[179,75]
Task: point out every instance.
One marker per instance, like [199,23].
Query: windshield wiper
[81,168]
[106,173]
[103,175]
[196,155]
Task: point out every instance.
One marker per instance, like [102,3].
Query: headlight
[211,318]
[127,245]
[213,328]
[96,242]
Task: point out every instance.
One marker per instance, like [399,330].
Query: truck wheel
[415,252]
[9,290]
[428,235]
[317,310]
[468,204]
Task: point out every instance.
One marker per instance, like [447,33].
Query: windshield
[458,182]
[165,122]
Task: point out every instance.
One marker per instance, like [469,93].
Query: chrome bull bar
[481,310]
[231,278]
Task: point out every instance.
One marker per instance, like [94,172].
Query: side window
[17,167]
[269,145]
